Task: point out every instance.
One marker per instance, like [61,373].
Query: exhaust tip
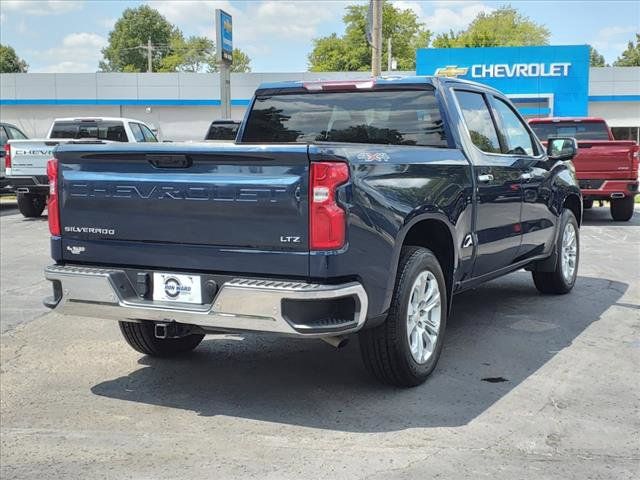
[617,195]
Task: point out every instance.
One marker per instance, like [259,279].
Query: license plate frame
[177,287]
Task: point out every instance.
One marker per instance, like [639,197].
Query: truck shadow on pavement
[502,332]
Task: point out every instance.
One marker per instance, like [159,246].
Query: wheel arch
[431,231]
[573,202]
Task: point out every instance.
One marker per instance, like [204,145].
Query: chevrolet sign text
[520,70]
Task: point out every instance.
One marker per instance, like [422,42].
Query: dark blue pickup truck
[342,207]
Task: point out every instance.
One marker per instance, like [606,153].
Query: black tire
[555,282]
[587,203]
[622,208]
[141,337]
[31,205]
[385,349]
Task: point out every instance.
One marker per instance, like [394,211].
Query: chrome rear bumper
[240,304]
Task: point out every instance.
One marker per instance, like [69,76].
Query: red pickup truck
[607,169]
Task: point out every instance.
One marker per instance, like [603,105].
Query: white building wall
[617,114]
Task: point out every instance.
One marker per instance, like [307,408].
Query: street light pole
[376,48]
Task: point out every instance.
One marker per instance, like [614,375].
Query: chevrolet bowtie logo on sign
[451,71]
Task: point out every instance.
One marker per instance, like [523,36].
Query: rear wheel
[622,208]
[587,204]
[141,337]
[31,205]
[404,350]
[563,278]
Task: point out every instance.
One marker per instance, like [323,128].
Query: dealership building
[541,81]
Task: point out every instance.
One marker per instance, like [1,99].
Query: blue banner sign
[558,74]
[224,36]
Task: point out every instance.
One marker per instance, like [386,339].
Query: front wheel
[31,205]
[404,350]
[622,209]
[141,337]
[563,278]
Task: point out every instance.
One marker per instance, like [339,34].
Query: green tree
[241,61]
[198,54]
[595,59]
[631,56]
[195,54]
[504,27]
[10,62]
[125,51]
[351,52]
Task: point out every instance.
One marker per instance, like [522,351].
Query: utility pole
[149,56]
[389,56]
[376,48]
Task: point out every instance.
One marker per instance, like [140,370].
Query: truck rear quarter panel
[390,190]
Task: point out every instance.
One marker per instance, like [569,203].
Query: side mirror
[562,148]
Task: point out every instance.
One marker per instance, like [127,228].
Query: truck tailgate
[211,200]
[29,157]
[613,157]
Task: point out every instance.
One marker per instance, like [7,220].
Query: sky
[67,36]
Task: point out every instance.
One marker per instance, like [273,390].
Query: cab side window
[516,139]
[478,120]
[137,133]
[148,134]
[3,137]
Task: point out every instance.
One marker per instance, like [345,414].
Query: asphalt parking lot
[77,402]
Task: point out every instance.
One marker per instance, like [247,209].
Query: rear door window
[3,137]
[137,132]
[478,120]
[395,117]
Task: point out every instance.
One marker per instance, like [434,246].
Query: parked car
[607,169]
[7,132]
[222,130]
[26,160]
[365,213]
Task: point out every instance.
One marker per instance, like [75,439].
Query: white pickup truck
[26,160]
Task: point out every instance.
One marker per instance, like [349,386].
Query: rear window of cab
[385,117]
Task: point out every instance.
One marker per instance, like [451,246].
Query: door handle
[485,177]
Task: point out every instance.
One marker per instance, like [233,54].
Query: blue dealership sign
[541,80]
[224,36]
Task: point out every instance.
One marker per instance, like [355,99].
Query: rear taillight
[53,210]
[7,157]
[327,219]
